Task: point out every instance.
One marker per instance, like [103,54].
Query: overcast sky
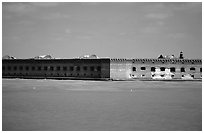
[116,30]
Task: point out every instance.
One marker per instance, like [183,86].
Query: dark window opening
[9,68]
[143,75]
[172,76]
[172,69]
[78,68]
[192,68]
[65,75]
[58,68]
[162,75]
[45,68]
[153,69]
[15,68]
[200,69]
[98,68]
[162,69]
[27,68]
[77,74]
[182,69]
[192,76]
[51,68]
[85,68]
[71,68]
[143,68]
[133,68]
[39,68]
[21,68]
[92,68]
[33,68]
[65,68]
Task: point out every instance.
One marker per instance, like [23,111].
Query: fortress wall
[120,69]
[142,69]
[65,68]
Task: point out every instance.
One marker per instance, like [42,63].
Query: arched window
[71,68]
[133,68]
[92,68]
[153,69]
[45,68]
[78,68]
[64,68]
[99,68]
[162,69]
[172,69]
[143,68]
[192,69]
[58,68]
[182,69]
[85,68]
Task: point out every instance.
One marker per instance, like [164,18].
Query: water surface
[101,105]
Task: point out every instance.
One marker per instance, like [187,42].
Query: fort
[95,68]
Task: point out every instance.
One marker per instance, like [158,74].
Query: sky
[116,30]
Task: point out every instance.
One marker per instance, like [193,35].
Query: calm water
[101,105]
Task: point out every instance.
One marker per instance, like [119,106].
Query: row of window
[52,68]
[172,69]
[143,75]
[65,74]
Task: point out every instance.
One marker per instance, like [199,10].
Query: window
[45,68]
[192,76]
[78,68]
[192,69]
[64,68]
[9,68]
[85,68]
[200,69]
[162,69]
[98,68]
[15,68]
[153,69]
[39,68]
[92,68]
[71,68]
[172,69]
[133,68]
[58,68]
[182,69]
[21,68]
[33,68]
[27,68]
[51,68]
[143,68]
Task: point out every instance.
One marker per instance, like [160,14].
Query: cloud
[177,35]
[18,7]
[45,4]
[158,15]
[55,15]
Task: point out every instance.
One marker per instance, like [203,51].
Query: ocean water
[75,105]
